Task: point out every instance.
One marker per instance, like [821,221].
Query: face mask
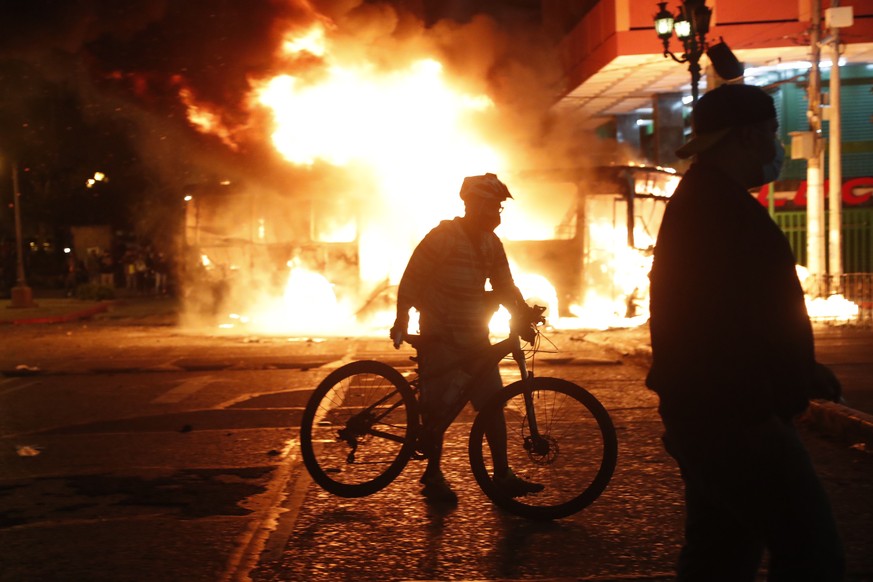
[491,223]
[487,222]
[484,219]
[771,170]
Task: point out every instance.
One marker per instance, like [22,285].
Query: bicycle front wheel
[572,453]
[358,429]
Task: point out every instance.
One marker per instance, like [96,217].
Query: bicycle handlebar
[526,329]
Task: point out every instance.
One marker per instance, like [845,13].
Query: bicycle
[361,427]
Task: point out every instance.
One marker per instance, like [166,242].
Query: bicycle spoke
[572,452]
[359,434]
[353,399]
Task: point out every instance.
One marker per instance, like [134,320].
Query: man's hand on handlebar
[525,319]
[398,331]
[527,314]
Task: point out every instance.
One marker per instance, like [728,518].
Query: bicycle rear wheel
[573,457]
[358,429]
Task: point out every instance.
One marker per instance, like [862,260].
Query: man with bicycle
[445,281]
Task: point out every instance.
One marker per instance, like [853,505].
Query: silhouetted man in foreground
[445,281]
[733,358]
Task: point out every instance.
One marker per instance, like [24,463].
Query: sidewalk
[52,307]
[848,351]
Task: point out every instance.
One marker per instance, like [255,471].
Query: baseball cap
[722,109]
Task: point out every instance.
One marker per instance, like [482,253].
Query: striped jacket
[445,281]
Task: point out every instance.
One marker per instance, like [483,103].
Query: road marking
[275,544]
[260,532]
[6,391]
[350,353]
[184,390]
[237,399]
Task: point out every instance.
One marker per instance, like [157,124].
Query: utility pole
[835,170]
[22,295]
[815,239]
[835,18]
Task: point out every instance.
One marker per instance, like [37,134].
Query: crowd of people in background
[130,268]
[141,270]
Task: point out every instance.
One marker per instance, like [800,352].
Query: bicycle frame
[485,360]
[366,422]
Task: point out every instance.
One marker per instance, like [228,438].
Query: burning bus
[579,242]
[372,151]
[599,255]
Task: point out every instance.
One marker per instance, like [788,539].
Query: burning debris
[833,308]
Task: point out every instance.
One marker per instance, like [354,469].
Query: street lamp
[691,25]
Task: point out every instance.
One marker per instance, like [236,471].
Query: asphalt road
[848,352]
[147,453]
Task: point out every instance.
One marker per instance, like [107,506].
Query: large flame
[408,135]
[365,115]
[405,131]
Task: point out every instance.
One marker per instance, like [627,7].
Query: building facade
[617,78]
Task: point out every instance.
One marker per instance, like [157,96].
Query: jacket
[731,338]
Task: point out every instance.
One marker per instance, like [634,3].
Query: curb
[838,421]
[846,424]
[84,314]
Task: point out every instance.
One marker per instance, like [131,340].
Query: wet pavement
[235,503]
[632,532]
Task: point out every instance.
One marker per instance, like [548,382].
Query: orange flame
[313,42]
[205,120]
[406,132]
[409,137]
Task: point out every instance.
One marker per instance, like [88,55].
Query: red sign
[856,192]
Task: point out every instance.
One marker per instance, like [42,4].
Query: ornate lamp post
[691,25]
